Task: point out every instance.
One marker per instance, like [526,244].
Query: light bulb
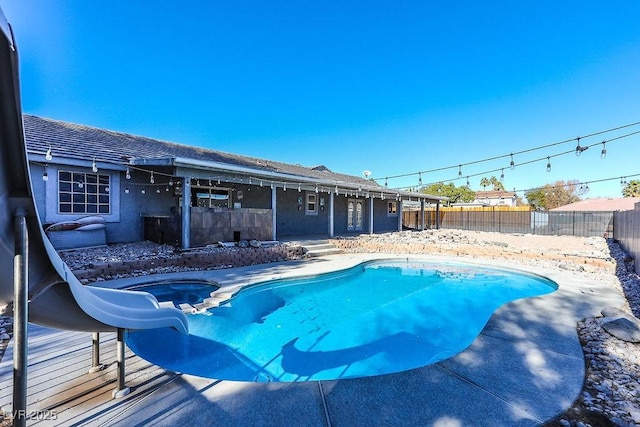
[143,191]
[45,176]
[170,183]
[603,153]
[126,190]
[49,156]
[502,175]
[158,190]
[299,188]
[127,174]
[152,180]
[94,167]
[548,165]
[459,170]
[512,164]
[284,187]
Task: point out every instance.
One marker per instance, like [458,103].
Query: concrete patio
[524,368]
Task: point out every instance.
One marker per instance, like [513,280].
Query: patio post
[273,213]
[20,316]
[186,212]
[371,214]
[421,214]
[331,213]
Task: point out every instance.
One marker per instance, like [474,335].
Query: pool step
[217,298]
[316,248]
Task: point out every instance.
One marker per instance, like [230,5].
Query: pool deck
[524,368]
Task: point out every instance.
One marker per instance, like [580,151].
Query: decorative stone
[624,329]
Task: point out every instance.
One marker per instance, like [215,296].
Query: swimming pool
[379,317]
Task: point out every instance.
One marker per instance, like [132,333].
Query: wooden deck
[61,391]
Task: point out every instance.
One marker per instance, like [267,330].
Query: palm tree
[632,189]
[484,182]
[497,185]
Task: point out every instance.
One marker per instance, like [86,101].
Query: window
[211,197]
[83,193]
[312,205]
[392,208]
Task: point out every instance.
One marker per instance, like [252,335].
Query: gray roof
[69,140]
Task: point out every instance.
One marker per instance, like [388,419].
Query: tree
[554,195]
[455,194]
[497,185]
[484,183]
[493,182]
[631,189]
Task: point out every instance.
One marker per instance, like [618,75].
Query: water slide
[55,296]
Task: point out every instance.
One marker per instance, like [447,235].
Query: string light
[49,156]
[419,178]
[548,164]
[468,185]
[316,188]
[502,175]
[45,175]
[580,149]
[386,184]
[603,153]
[511,155]
[170,182]
[127,174]
[337,194]
[126,190]
[152,179]
[299,188]
[94,167]
[158,190]
[210,184]
[284,187]
[459,171]
[143,191]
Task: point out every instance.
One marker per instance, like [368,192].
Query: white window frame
[89,191]
[392,208]
[209,190]
[311,203]
[52,195]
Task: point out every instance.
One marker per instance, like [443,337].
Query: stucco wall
[291,218]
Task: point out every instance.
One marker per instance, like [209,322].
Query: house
[494,198]
[144,188]
[601,204]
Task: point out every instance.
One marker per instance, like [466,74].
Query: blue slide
[55,296]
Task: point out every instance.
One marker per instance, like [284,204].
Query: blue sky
[393,87]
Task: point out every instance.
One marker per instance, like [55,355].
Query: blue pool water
[379,317]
